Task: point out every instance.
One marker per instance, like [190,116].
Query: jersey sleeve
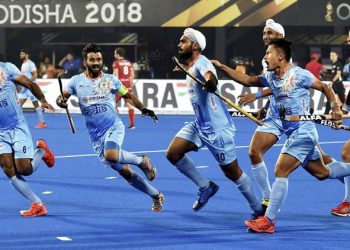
[307,79]
[13,71]
[115,64]
[117,87]
[70,87]
[263,80]
[206,66]
[32,67]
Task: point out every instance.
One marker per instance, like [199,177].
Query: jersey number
[126,70]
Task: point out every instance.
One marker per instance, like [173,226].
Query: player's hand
[261,114]
[46,105]
[337,114]
[148,112]
[216,63]
[61,102]
[245,99]
[210,86]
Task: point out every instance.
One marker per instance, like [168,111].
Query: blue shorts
[26,94]
[17,141]
[114,134]
[220,143]
[273,127]
[301,143]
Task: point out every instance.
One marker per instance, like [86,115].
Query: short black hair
[91,47]
[284,45]
[25,51]
[120,51]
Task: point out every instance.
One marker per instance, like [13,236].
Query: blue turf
[109,214]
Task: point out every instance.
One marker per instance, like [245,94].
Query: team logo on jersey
[3,77]
[104,86]
[288,83]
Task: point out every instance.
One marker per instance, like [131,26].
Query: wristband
[334,104]
[258,94]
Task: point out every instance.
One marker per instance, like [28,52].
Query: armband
[122,91]
[258,95]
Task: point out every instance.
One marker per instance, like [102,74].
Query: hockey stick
[70,120]
[295,118]
[332,124]
[233,105]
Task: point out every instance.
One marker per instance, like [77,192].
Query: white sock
[278,195]
[187,167]
[262,179]
[245,186]
[23,188]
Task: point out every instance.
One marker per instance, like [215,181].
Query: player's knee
[345,153]
[111,156]
[232,171]
[173,156]
[255,155]
[126,172]
[25,169]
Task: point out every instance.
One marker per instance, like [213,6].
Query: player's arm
[245,99]
[244,79]
[327,90]
[34,88]
[210,81]
[34,75]
[116,72]
[137,103]
[337,75]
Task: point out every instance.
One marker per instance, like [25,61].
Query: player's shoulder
[77,78]
[8,66]
[300,71]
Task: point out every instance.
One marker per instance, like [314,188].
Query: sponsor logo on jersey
[94,110]
[93,99]
[3,103]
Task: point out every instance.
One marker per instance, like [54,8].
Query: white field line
[163,150]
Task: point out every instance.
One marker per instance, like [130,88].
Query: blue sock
[141,184]
[245,186]
[38,154]
[187,167]
[39,112]
[338,169]
[23,188]
[278,195]
[126,157]
[347,188]
[262,179]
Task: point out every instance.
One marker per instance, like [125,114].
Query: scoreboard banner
[170,96]
[171,13]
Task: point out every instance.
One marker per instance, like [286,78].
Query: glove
[146,111]
[61,102]
[210,86]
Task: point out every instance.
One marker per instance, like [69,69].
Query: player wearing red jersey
[123,69]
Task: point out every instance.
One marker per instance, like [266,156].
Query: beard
[94,70]
[185,54]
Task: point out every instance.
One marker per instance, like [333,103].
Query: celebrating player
[213,127]
[95,91]
[17,156]
[290,87]
[29,70]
